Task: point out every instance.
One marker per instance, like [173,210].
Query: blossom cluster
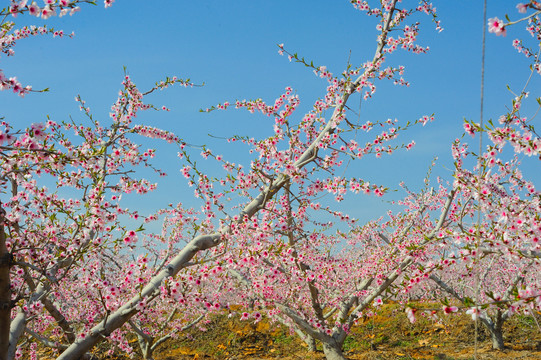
[9,35]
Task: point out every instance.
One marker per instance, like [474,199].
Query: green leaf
[468,301]
[445,301]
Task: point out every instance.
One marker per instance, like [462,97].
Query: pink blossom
[47,12]
[410,313]
[130,238]
[496,26]
[474,312]
[37,129]
[469,129]
[450,309]
[3,138]
[34,9]
[522,8]
[140,305]
[15,8]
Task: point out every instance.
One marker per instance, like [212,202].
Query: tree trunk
[15,332]
[311,343]
[495,330]
[145,344]
[333,351]
[497,339]
[5,291]
[308,340]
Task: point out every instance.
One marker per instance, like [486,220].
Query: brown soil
[388,335]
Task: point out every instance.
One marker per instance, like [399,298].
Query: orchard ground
[387,335]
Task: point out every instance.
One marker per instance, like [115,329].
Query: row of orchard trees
[73,274]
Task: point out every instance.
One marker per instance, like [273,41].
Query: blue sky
[231,47]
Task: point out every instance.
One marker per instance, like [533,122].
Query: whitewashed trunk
[333,351]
